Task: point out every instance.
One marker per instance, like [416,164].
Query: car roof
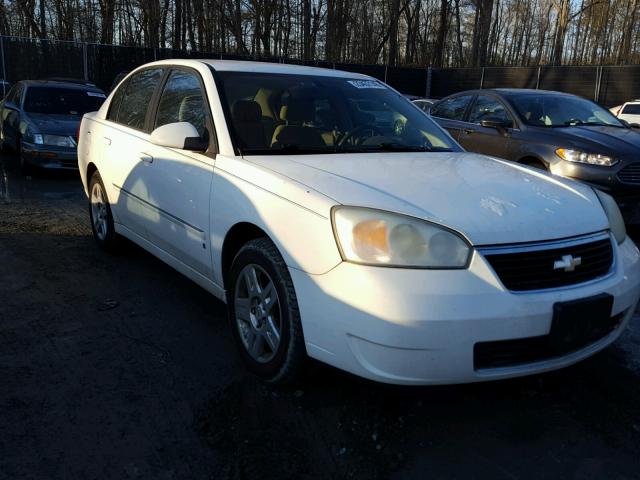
[260,67]
[60,84]
[508,92]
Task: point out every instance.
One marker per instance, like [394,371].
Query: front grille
[532,268]
[510,353]
[630,174]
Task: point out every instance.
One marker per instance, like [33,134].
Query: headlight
[582,157]
[375,237]
[58,141]
[32,137]
[616,222]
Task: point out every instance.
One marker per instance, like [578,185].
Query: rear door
[450,113]
[489,141]
[178,182]
[125,142]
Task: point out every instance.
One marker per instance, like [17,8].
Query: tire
[256,316]
[102,226]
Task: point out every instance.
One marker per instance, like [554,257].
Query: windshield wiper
[288,148]
[573,123]
[395,147]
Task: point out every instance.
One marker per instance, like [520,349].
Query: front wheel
[100,214]
[263,312]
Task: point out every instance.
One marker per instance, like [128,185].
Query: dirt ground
[116,367]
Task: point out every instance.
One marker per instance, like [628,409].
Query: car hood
[488,200]
[54,124]
[616,141]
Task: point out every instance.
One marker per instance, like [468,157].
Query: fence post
[427,93]
[482,79]
[85,62]
[538,78]
[4,71]
[596,94]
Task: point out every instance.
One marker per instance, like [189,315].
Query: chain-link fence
[28,58]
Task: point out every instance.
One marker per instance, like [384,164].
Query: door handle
[467,131]
[106,140]
[146,158]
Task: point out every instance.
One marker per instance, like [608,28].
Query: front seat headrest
[247,111]
[298,111]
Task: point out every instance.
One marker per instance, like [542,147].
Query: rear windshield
[633,109]
[65,101]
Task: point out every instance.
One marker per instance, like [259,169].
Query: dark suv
[559,132]
[39,120]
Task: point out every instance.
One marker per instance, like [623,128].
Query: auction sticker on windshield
[367,84]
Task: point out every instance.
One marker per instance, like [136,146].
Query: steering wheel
[356,133]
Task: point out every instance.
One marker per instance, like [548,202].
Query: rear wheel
[264,315]
[100,214]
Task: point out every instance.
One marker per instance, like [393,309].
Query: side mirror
[181,135]
[497,124]
[10,106]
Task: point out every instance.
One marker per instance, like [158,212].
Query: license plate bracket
[578,323]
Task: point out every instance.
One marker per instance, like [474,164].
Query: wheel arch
[237,236]
[532,158]
[91,169]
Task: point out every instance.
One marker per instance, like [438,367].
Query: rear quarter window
[632,109]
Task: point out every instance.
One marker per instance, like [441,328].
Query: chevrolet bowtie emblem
[567,263]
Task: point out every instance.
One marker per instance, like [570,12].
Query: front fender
[295,218]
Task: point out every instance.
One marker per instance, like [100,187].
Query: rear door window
[453,108]
[488,108]
[137,98]
[116,100]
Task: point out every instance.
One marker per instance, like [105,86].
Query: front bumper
[627,195]
[50,157]
[410,326]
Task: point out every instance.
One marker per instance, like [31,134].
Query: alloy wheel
[258,313]
[99,212]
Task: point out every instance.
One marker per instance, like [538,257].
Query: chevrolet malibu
[392,254]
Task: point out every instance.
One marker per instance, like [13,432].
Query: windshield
[561,111]
[65,101]
[276,114]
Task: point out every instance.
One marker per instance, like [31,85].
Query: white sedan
[395,256]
